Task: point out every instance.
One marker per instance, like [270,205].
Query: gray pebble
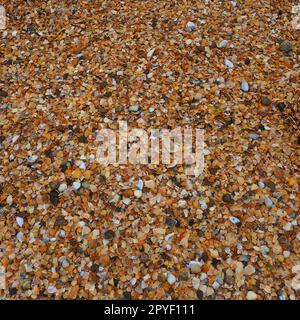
[286,46]
[254,136]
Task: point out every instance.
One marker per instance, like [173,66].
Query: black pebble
[247,61]
[12,291]
[82,139]
[280,106]
[95,267]
[200,294]
[227,198]
[53,196]
[171,222]
[127,295]
[109,234]
[3,94]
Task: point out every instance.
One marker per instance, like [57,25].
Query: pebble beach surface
[71,228]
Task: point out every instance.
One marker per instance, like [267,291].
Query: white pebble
[76,185]
[171,278]
[150,53]
[20,236]
[134,108]
[288,227]
[181,203]
[261,184]
[168,247]
[20,221]
[190,26]
[33,158]
[52,289]
[196,283]
[268,202]
[203,204]
[126,201]
[62,187]
[138,193]
[9,200]
[229,64]
[251,295]
[245,86]
[223,44]
[140,184]
[15,138]
[234,220]
[80,164]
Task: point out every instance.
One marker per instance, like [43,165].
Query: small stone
[9,200]
[271,185]
[140,185]
[254,136]
[203,204]
[32,158]
[234,220]
[93,188]
[265,250]
[195,266]
[65,263]
[150,184]
[181,203]
[286,46]
[268,202]
[171,222]
[20,221]
[109,234]
[247,61]
[229,64]
[94,267]
[20,236]
[261,184]
[86,185]
[196,283]
[265,101]
[288,227]
[134,108]
[52,289]
[62,187]
[298,236]
[200,294]
[277,249]
[249,270]
[76,185]
[54,197]
[104,260]
[223,44]
[244,86]
[126,201]
[251,295]
[80,164]
[280,106]
[3,94]
[171,279]
[227,198]
[190,26]
[138,193]
[61,221]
